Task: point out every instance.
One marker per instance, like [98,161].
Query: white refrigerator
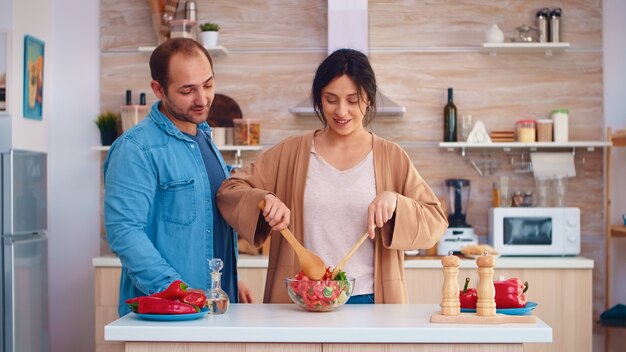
[24,255]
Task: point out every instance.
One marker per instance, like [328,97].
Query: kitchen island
[262,327]
[556,284]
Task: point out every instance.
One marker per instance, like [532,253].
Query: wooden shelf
[618,231]
[547,48]
[619,138]
[213,50]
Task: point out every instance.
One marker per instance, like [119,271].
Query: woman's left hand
[381,210]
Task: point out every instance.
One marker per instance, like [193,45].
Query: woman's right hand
[276,213]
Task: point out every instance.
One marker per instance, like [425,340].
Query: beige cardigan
[419,221]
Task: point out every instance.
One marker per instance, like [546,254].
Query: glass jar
[247,131]
[183,29]
[525,130]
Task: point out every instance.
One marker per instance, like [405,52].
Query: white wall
[74,175]
[613,30]
[30,17]
[66,132]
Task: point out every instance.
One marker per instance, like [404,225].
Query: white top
[359,323]
[335,216]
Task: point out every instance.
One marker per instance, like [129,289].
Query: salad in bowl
[324,295]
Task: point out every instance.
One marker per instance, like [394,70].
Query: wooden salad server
[312,265]
[349,255]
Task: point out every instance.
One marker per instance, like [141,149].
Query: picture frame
[33,77]
[5,72]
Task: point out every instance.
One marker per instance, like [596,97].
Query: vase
[209,39]
[107,137]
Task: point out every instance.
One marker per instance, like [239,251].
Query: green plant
[108,121]
[210,27]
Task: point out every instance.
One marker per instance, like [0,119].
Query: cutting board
[223,111]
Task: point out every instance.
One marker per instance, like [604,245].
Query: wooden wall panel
[418,49]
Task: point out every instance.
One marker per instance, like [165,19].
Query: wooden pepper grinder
[450,304]
[486,305]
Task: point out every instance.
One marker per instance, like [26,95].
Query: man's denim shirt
[157,207]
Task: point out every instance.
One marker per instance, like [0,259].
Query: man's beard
[178,114]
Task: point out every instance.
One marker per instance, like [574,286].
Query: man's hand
[245,295]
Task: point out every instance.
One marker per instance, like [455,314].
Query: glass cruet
[217,299]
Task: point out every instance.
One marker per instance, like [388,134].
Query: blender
[459,233]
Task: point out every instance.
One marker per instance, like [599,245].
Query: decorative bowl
[319,296]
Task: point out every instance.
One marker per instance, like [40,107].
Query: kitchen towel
[548,165]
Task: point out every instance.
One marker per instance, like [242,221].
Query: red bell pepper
[468,297]
[174,291]
[194,297]
[155,305]
[510,293]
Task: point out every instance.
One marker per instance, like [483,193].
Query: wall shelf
[618,230]
[547,48]
[213,50]
[227,148]
[508,146]
[238,149]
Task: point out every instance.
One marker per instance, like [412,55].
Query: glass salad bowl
[319,296]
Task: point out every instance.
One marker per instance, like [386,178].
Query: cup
[465,127]
[504,191]
[560,190]
[542,189]
[219,135]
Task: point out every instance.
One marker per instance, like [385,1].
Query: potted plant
[209,34]
[108,124]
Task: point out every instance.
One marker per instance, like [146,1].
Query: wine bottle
[449,120]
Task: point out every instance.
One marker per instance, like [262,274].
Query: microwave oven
[530,231]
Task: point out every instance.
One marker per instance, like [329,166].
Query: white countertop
[361,323]
[259,261]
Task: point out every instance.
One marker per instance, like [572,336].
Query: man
[160,179]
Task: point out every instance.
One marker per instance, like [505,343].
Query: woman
[331,186]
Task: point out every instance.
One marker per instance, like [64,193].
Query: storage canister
[560,118]
[544,130]
[247,131]
[525,130]
[182,29]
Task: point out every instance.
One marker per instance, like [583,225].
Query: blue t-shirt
[222,243]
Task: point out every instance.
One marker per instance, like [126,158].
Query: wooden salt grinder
[450,304]
[486,305]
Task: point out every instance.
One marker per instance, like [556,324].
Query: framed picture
[5,45]
[33,77]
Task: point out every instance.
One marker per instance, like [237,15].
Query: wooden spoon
[312,265]
[349,255]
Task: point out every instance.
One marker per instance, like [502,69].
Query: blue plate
[509,311]
[174,317]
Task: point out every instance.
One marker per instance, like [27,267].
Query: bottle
[555,25]
[496,196]
[217,300]
[449,120]
[142,98]
[129,97]
[542,24]
[190,10]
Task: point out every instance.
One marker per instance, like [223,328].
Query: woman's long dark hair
[355,65]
